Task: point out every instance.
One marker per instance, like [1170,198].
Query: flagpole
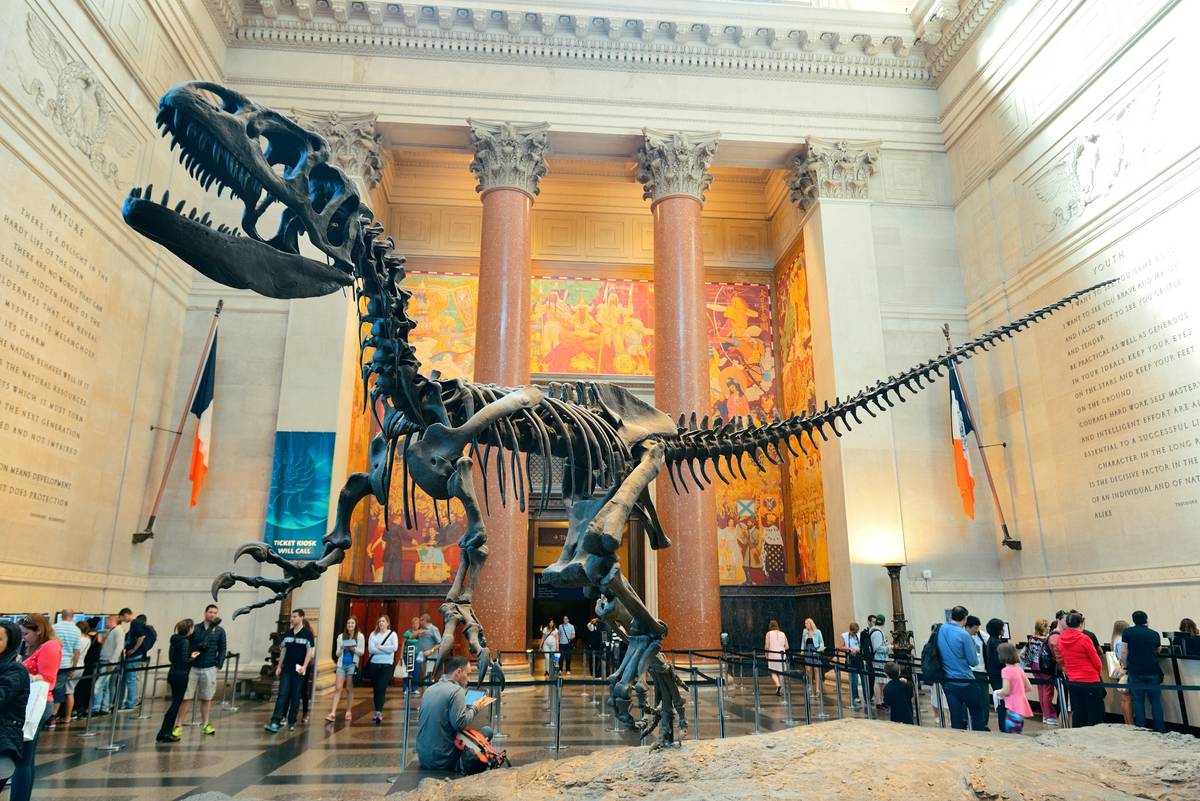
[148,531]
[987,470]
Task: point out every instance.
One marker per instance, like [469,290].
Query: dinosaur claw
[260,551]
[223,582]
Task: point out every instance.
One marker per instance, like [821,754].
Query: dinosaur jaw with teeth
[216,149]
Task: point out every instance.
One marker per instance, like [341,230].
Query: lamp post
[902,638]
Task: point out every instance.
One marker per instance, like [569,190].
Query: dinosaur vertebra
[612,445]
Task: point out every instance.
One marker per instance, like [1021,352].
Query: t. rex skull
[261,157]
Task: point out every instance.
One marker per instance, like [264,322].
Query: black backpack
[932,669]
[866,645]
[1046,663]
[149,640]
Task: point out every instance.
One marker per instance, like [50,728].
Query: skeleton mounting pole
[987,470]
[148,531]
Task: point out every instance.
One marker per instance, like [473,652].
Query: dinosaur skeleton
[611,444]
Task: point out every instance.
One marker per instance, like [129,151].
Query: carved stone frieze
[509,154]
[74,100]
[355,145]
[675,163]
[832,169]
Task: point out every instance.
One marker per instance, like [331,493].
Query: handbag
[35,707]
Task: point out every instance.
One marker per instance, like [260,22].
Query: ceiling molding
[781,42]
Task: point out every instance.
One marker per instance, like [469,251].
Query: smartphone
[474,695]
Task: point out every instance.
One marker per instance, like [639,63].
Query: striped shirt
[68,633]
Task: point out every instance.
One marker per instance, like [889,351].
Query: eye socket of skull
[326,187]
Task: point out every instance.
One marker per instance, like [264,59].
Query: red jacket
[1079,658]
[44,662]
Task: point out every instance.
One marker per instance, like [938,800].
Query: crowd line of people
[972,668]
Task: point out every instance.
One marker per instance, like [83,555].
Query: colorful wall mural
[806,496]
[596,327]
[606,327]
[444,308]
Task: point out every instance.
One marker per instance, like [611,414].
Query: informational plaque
[1120,379]
[53,292]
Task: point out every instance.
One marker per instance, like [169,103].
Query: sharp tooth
[135,193]
[166,196]
[192,213]
[149,192]
[204,219]
[179,206]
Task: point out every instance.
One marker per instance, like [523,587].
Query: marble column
[673,169]
[320,362]
[509,160]
[830,183]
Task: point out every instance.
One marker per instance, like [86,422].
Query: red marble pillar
[509,161]
[674,170]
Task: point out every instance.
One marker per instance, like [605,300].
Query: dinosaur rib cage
[699,444]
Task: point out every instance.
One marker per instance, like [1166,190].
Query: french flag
[960,426]
[202,407]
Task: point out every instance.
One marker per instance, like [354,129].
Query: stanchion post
[837,680]
[807,698]
[721,694]
[112,728]
[786,681]
[87,726]
[142,713]
[558,746]
[237,671]
[821,714]
[941,702]
[695,703]
[917,696]
[757,700]
[407,715]
[225,683]
[1064,716]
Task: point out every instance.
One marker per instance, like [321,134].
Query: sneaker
[291,727]
[378,719]
[52,724]
[271,727]
[166,738]
[1049,721]
[177,732]
[208,729]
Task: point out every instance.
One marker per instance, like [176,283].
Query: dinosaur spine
[698,444]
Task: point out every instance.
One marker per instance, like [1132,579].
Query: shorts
[346,670]
[73,680]
[59,693]
[202,684]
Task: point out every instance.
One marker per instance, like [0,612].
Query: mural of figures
[742,382]
[594,327]
[444,307]
[805,492]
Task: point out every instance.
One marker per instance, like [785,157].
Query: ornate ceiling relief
[355,145]
[832,169]
[509,154]
[74,100]
[675,163]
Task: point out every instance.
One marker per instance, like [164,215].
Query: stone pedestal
[509,161]
[673,168]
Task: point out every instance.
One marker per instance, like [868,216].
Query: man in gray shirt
[444,713]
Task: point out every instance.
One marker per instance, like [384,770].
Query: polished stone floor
[359,760]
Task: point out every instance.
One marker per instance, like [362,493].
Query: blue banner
[298,506]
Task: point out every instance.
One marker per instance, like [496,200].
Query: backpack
[1046,661]
[478,754]
[932,669]
[866,645]
[149,640]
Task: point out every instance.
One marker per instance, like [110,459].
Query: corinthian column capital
[353,142]
[675,163]
[832,169]
[509,154]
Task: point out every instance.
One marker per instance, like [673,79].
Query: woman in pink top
[1014,691]
[42,660]
[776,646]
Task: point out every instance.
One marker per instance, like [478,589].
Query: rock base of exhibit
[856,760]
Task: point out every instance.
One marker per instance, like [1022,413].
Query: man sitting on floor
[444,713]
